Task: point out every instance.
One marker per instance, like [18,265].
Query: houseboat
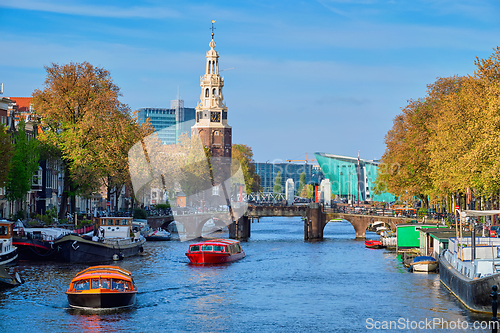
[102,287]
[112,239]
[471,266]
[37,244]
[215,251]
[8,252]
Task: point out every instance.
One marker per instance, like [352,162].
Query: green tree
[244,155]
[277,183]
[6,151]
[302,182]
[23,167]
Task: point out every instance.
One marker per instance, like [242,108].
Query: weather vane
[213,28]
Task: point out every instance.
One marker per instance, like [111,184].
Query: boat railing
[118,242]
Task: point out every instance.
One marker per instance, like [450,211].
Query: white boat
[8,252]
[424,264]
[471,266]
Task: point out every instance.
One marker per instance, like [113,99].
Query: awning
[469,213]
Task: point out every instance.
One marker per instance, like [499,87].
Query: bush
[162,206]
[140,214]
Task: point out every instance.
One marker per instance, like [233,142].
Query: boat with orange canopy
[104,287]
[215,251]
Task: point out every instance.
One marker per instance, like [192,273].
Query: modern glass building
[269,171]
[352,178]
[170,123]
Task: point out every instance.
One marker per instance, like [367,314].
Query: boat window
[219,248]
[124,222]
[194,248]
[94,284]
[105,284]
[81,285]
[3,230]
[117,222]
[207,248]
[118,285]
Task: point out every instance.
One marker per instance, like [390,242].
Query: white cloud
[91,10]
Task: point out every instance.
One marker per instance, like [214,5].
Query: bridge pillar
[314,223]
[240,229]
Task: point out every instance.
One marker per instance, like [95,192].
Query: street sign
[457,207]
[108,204]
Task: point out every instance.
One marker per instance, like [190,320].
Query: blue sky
[303,76]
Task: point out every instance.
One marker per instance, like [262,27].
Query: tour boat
[113,239]
[470,267]
[102,287]
[424,264]
[373,244]
[215,251]
[8,252]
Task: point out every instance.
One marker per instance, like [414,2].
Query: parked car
[494,230]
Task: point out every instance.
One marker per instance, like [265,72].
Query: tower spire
[213,28]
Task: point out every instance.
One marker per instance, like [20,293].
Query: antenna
[1,88]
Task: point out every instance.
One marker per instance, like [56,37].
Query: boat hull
[474,294]
[75,249]
[373,244]
[9,258]
[101,300]
[203,258]
[425,266]
[34,249]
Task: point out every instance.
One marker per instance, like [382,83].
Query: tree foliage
[83,119]
[24,164]
[6,151]
[448,141]
[302,182]
[244,155]
[277,183]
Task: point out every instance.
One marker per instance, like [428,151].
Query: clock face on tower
[215,116]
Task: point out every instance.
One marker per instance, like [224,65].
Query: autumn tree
[6,151]
[83,119]
[406,166]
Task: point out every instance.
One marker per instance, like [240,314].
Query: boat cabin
[104,279]
[114,227]
[6,234]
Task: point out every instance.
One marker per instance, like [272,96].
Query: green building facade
[352,178]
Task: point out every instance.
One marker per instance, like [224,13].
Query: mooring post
[494,305]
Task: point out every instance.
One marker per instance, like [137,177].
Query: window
[37,177]
[119,285]
[94,284]
[214,92]
[105,284]
[194,248]
[207,248]
[207,92]
[82,285]
[219,248]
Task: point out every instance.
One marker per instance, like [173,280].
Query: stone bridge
[315,220]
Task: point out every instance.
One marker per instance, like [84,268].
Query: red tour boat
[373,244]
[215,251]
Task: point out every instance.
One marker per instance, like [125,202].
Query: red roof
[23,103]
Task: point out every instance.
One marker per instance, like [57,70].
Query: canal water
[284,284]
